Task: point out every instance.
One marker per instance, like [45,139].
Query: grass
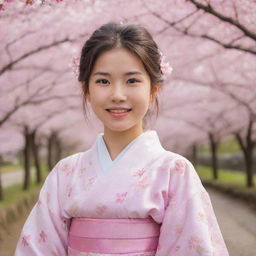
[226,177]
[225,147]
[10,168]
[14,192]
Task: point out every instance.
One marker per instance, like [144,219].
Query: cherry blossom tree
[210,95]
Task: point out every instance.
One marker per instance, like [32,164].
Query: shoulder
[173,158]
[183,177]
[180,166]
[71,161]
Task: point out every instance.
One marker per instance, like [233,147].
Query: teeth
[118,111]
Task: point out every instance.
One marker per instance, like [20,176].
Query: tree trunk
[247,148]
[249,167]
[58,150]
[27,159]
[194,155]
[50,155]
[1,188]
[214,159]
[36,157]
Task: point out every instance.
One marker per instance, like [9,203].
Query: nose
[118,93]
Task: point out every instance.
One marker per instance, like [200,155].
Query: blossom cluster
[3,3]
[166,68]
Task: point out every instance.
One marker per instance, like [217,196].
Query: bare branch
[11,90]
[236,39]
[204,36]
[209,9]
[54,114]
[30,101]
[26,55]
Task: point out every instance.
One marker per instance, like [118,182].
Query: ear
[154,91]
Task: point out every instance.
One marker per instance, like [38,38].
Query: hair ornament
[166,68]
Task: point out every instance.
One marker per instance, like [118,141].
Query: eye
[104,81]
[134,80]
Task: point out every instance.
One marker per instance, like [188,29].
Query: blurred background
[207,105]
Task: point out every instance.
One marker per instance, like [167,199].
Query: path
[14,177]
[237,223]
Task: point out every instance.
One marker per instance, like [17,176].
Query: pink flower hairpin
[166,68]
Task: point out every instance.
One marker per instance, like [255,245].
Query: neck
[117,141]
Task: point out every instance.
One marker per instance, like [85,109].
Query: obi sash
[113,235]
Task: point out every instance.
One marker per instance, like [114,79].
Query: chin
[121,128]
[118,129]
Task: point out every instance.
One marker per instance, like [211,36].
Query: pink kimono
[155,194]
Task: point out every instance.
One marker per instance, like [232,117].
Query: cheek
[96,97]
[141,101]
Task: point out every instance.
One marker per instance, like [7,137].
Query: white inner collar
[103,154]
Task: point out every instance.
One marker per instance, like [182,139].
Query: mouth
[119,110]
[119,113]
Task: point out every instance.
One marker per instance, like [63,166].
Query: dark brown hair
[132,37]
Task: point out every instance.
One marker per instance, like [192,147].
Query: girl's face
[119,80]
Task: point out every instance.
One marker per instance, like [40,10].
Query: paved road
[236,220]
[15,177]
[237,223]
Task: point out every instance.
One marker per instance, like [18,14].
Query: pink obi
[113,235]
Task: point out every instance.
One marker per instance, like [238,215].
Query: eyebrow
[126,74]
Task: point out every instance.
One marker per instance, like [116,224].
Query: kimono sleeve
[189,226]
[46,229]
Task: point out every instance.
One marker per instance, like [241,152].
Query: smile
[118,110]
[117,113]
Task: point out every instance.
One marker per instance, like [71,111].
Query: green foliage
[10,168]
[225,147]
[226,177]
[14,192]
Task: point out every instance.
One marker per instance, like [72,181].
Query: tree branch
[26,55]
[204,36]
[209,9]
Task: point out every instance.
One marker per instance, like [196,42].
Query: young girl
[126,195]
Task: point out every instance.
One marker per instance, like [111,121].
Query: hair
[132,37]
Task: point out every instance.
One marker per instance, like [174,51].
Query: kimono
[144,182]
